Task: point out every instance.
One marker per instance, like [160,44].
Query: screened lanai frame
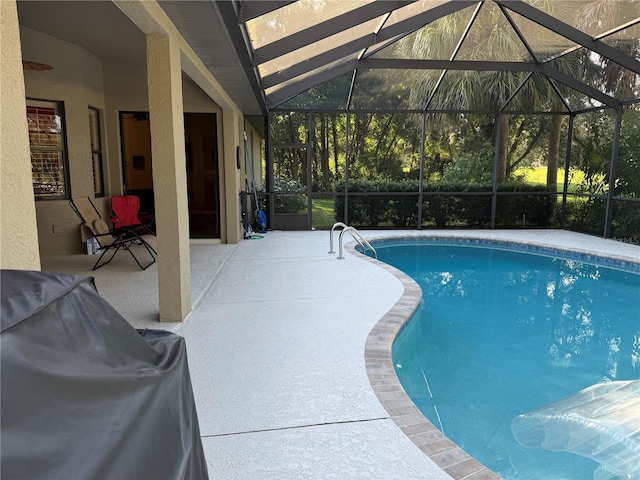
[422,194]
[315,46]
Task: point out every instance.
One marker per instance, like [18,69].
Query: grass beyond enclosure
[323,213]
[538,176]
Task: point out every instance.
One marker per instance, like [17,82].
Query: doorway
[290,177]
[203,181]
[201,152]
[290,167]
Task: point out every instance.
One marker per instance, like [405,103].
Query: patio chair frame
[112,239]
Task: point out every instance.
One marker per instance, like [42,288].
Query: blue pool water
[500,333]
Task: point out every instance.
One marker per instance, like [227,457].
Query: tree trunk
[293,158]
[503,148]
[324,154]
[334,133]
[554,149]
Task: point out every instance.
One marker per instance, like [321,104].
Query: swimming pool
[468,367]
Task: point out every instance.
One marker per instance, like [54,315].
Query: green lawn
[538,175]
[323,214]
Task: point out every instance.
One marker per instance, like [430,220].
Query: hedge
[374,203]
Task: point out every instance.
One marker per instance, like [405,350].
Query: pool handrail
[357,236]
[335,225]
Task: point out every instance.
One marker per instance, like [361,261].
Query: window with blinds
[96,151]
[49,165]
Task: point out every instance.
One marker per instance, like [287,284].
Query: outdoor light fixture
[40,67]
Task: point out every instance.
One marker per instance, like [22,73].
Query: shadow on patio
[134,292]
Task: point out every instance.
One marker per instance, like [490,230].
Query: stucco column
[232,175]
[18,227]
[169,176]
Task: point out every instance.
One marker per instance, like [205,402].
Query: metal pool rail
[357,236]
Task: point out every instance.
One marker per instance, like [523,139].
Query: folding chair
[126,214]
[111,240]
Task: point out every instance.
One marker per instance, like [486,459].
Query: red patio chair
[126,214]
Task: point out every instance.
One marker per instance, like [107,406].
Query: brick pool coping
[384,381]
[446,454]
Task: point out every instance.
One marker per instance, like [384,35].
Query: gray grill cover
[85,395]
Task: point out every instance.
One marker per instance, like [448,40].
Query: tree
[490,37]
[598,16]
[382,145]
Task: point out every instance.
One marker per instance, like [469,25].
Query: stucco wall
[80,79]
[76,80]
[126,91]
[18,231]
[254,141]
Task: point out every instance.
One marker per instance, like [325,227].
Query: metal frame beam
[519,33]
[579,86]
[325,29]
[403,27]
[567,167]
[290,90]
[337,61]
[613,167]
[571,33]
[371,40]
[417,64]
[227,13]
[248,10]
[313,63]
[493,66]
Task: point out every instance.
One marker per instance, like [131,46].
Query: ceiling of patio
[327,53]
[101,28]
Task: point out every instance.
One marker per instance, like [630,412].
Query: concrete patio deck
[276,343]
